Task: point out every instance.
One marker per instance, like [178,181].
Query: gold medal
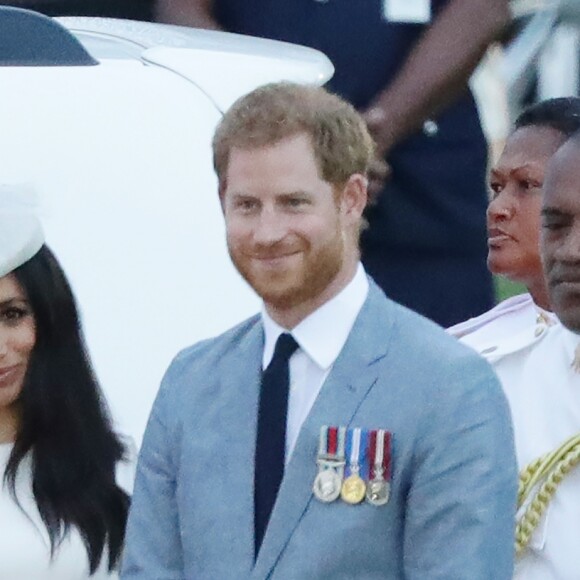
[353,489]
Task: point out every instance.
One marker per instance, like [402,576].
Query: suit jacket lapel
[234,512]
[351,378]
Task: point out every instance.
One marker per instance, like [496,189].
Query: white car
[119,152]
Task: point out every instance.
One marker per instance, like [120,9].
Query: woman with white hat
[62,512]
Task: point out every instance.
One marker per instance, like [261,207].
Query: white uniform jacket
[545,406]
[506,334]
[534,356]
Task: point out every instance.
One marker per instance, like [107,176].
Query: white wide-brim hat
[21,234]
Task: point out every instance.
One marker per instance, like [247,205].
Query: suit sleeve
[153,546]
[461,505]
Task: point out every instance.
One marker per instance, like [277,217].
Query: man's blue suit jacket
[451,512]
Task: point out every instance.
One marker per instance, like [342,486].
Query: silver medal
[327,485]
[328,480]
[379,489]
[378,492]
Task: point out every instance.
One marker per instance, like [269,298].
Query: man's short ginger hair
[340,138]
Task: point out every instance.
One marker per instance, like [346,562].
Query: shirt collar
[322,334]
[571,342]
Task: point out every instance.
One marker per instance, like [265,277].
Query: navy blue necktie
[271,435]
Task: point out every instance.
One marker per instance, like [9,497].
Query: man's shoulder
[442,374]
[429,339]
[411,335]
[210,351]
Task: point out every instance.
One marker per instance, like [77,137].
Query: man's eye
[552,224]
[295,201]
[528,184]
[245,204]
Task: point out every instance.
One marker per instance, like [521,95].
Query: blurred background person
[506,334]
[406,66]
[63,513]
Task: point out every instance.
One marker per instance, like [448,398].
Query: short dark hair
[340,138]
[64,423]
[561,114]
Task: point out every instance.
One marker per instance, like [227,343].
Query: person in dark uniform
[405,65]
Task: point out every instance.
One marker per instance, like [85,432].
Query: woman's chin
[498,264]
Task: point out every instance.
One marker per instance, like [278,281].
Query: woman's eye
[495,188]
[13,315]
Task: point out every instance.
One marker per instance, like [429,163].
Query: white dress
[24,542]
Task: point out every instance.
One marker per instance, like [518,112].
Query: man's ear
[354,196]
[222,194]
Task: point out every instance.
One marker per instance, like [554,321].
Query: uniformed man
[405,64]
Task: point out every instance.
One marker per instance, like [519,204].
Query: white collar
[322,334]
[571,342]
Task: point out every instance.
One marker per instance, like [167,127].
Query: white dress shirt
[320,337]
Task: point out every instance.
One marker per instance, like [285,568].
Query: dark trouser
[446,289]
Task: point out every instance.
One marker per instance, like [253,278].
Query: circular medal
[326,486]
[378,492]
[353,489]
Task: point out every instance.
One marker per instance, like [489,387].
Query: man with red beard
[336,434]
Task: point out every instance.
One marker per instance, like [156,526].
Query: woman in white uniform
[530,350]
[62,513]
[506,334]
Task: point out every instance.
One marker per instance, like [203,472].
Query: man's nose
[569,249]
[270,226]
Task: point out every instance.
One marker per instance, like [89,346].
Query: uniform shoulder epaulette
[508,306]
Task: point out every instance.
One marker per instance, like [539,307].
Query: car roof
[195,54]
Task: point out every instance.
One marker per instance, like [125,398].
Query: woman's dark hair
[65,424]
[562,114]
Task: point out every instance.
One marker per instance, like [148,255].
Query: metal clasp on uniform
[330,461]
[430,128]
